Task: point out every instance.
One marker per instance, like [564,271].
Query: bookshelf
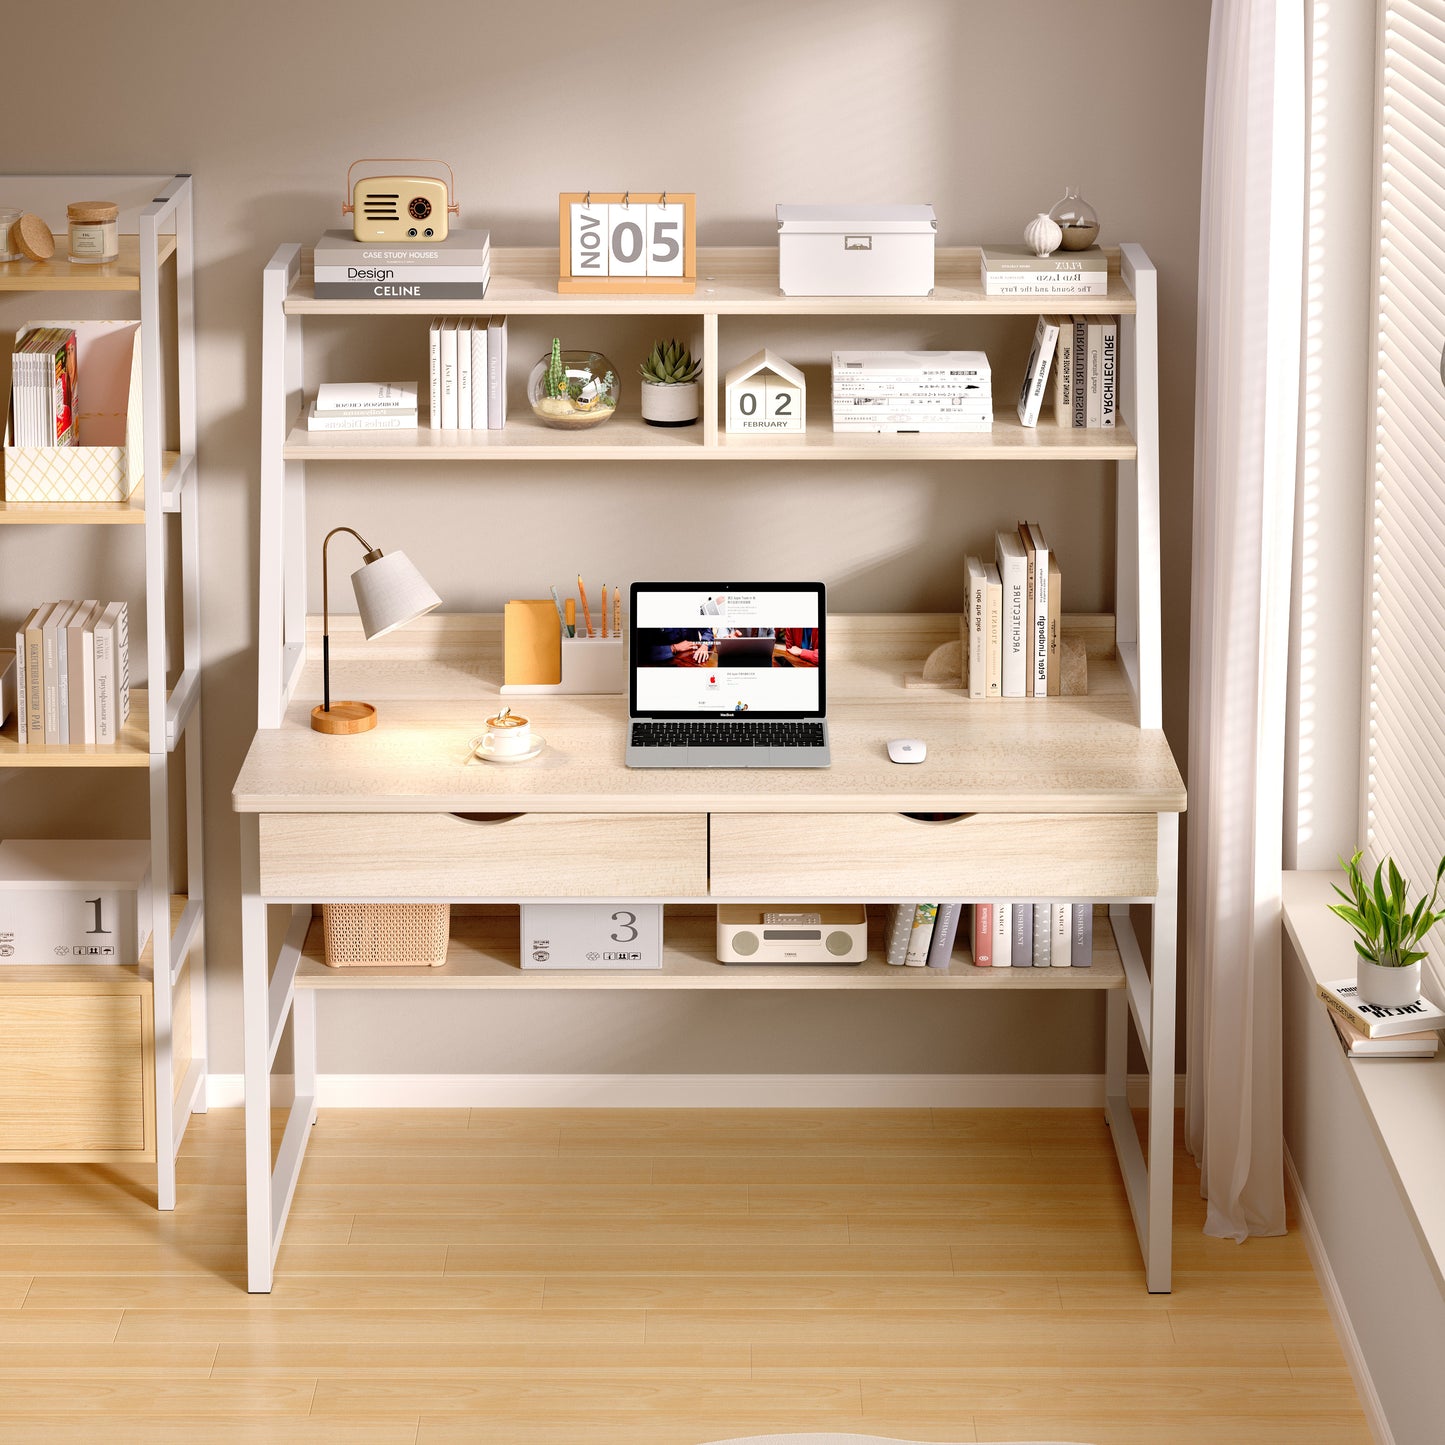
[137,1107]
[1075,797]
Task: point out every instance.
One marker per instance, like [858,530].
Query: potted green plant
[1388,930]
[671,393]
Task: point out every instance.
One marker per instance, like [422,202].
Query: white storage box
[856,250]
[592,935]
[69,900]
[106,466]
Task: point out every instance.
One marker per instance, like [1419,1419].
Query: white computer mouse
[907,750]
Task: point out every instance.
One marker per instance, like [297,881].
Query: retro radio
[773,933]
[400,208]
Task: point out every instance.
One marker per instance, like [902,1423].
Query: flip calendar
[628,242]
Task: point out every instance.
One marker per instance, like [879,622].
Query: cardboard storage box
[69,900]
[592,935]
[107,465]
[856,250]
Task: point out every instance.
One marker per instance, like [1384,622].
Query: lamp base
[344,718]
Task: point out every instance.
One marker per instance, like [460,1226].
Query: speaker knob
[839,942]
[745,943]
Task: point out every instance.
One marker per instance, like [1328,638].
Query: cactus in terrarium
[670,363]
[555,383]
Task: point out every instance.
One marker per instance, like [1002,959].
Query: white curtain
[1246,419]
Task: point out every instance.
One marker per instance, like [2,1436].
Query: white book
[435,374]
[919,364]
[107,675]
[35,671]
[1093,373]
[1036,373]
[21,720]
[464,373]
[1064,370]
[993,624]
[1039,622]
[977,602]
[921,934]
[122,659]
[1108,369]
[895,428]
[1061,930]
[478,339]
[76,691]
[366,396]
[360,420]
[1003,935]
[497,373]
[449,375]
[85,698]
[1000,283]
[52,629]
[1013,567]
[62,665]
[1043,936]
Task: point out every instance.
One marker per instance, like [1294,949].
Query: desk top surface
[1054,755]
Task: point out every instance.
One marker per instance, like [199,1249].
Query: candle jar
[9,247]
[94,232]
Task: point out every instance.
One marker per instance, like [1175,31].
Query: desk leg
[1163,959]
[256,1025]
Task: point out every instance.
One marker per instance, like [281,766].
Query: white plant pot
[670,403]
[1390,987]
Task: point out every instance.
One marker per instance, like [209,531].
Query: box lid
[834,220]
[70,862]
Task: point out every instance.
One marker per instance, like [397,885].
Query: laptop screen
[753,649]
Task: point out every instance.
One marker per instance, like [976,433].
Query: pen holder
[590,665]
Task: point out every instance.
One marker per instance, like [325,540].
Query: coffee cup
[507,735]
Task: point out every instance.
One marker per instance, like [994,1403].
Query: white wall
[987,111]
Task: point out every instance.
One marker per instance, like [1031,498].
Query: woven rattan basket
[385,935]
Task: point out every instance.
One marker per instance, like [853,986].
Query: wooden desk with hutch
[1065,798]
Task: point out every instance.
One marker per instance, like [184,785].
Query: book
[1003,935]
[477,337]
[1061,930]
[1064,371]
[1014,577]
[977,604]
[1108,369]
[122,659]
[449,375]
[462,247]
[360,420]
[1081,947]
[957,366]
[1031,634]
[50,674]
[35,671]
[1080,414]
[22,719]
[1023,939]
[1038,554]
[1093,372]
[1379,1021]
[456,269]
[497,373]
[80,638]
[945,934]
[1019,259]
[464,373]
[44,380]
[1055,625]
[1036,373]
[993,622]
[107,674]
[900,925]
[366,396]
[921,934]
[983,935]
[1360,1045]
[434,374]
[62,665]
[1043,937]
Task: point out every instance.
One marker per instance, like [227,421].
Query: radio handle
[453,207]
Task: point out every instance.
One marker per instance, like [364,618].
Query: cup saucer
[481,750]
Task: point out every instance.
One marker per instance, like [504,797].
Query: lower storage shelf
[485,952]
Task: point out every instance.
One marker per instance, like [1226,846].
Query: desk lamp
[390,592]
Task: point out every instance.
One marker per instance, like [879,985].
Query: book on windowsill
[1358,1045]
[1379,1021]
[317,420]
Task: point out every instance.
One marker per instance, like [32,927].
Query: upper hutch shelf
[59,273]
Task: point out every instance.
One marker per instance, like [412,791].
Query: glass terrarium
[1077,219]
[573,389]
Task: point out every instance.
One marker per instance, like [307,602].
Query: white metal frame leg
[255,1010]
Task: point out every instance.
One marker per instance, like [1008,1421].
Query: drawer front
[505,855]
[889,855]
[75,1076]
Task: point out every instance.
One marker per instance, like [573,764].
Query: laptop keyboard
[727,735]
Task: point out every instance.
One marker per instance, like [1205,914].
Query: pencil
[617,612]
[586,610]
[604,609]
[571,617]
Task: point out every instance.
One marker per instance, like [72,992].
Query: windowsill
[1404,1099]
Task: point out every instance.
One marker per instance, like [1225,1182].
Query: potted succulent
[671,394]
[1388,930]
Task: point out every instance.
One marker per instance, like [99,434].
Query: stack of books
[43,386]
[1013,620]
[457,269]
[363,406]
[469,373]
[1372,1030]
[1016,271]
[72,673]
[1004,935]
[912,391]
[1086,373]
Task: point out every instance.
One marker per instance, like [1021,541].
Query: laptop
[727,675]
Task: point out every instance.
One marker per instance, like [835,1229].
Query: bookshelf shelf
[91,514]
[60,274]
[132,751]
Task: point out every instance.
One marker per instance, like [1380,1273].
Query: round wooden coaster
[344,717]
[33,237]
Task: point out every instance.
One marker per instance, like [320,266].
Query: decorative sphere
[1077,219]
[1042,236]
[573,389]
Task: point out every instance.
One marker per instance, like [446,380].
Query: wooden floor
[623,1277]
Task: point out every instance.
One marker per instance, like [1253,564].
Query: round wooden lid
[91,212]
[33,237]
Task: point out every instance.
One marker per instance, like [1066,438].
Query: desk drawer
[976,855]
[505,855]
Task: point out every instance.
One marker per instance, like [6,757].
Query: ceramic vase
[1043,235]
[670,403]
[1390,987]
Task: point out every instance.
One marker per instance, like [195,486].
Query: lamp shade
[390,592]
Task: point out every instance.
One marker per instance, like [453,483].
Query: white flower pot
[1391,987]
[670,403]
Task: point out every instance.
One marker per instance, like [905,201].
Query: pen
[617,612]
[571,618]
[557,603]
[586,610]
[604,609]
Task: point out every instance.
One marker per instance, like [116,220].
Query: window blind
[1404,784]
